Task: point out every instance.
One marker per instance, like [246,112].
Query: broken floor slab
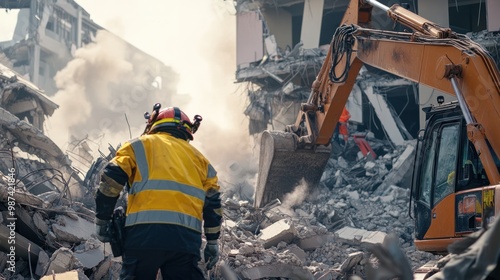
[293,249]
[352,260]
[282,230]
[357,236]
[73,230]
[61,261]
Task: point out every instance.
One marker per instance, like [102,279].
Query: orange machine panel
[443,219]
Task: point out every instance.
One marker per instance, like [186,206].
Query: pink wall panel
[249,38]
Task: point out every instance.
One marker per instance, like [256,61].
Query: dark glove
[211,253]
[102,229]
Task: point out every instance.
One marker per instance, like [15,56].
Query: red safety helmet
[171,117]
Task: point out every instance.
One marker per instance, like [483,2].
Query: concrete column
[79,28]
[492,11]
[35,49]
[437,12]
[311,23]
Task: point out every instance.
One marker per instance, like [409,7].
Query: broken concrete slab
[69,275]
[16,80]
[90,253]
[62,260]
[22,198]
[357,236]
[402,170]
[32,140]
[282,230]
[26,225]
[70,230]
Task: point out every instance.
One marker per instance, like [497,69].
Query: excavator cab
[450,190]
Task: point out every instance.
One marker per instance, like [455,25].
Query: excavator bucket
[282,166]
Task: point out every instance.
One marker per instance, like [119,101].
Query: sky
[197,39]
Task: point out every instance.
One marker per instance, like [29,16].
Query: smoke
[103,94]
[294,198]
[223,135]
[108,80]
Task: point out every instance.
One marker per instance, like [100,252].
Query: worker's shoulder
[131,142]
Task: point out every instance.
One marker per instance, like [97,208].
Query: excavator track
[282,166]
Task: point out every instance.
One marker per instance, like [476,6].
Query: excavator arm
[431,55]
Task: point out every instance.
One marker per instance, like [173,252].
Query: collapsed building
[53,46]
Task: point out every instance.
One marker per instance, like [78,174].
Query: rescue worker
[342,127]
[173,192]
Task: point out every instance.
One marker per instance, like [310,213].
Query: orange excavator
[455,188]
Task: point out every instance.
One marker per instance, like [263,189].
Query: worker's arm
[115,175]
[212,210]
[113,179]
[212,218]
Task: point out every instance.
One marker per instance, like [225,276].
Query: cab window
[446,161]
[427,167]
[471,171]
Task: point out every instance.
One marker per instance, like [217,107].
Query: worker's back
[166,194]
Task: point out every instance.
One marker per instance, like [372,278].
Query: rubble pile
[324,235]
[49,234]
[341,229]
[328,233]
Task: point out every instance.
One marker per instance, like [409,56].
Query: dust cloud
[104,86]
[108,83]
[294,198]
[223,136]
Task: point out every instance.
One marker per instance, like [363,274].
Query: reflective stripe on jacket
[168,181]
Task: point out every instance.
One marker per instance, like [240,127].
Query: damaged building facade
[47,36]
[281,46]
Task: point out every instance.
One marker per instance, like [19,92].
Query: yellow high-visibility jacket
[169,182]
